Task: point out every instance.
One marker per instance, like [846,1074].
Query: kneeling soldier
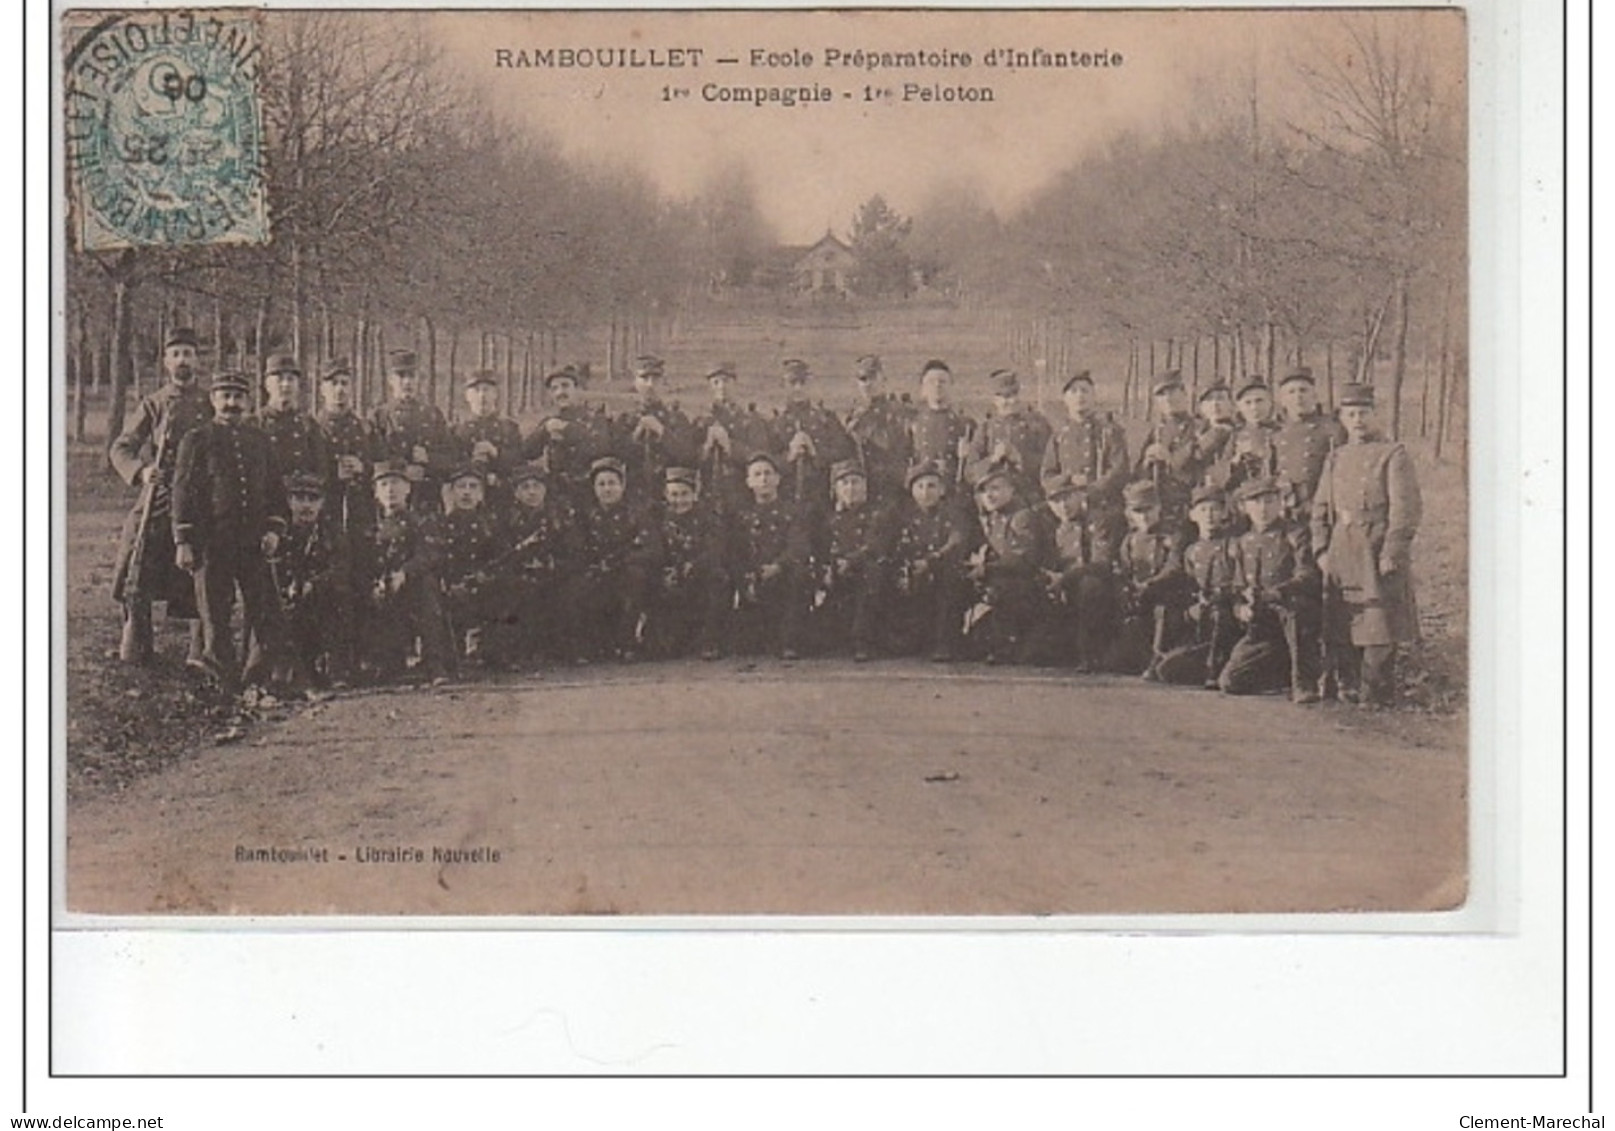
[927,544]
[313,574]
[1155,588]
[1002,570]
[399,570]
[1076,568]
[768,561]
[470,543]
[850,574]
[538,544]
[1277,588]
[1211,563]
[615,553]
[689,592]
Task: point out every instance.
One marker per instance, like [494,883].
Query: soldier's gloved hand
[555,426]
[1322,562]
[414,472]
[147,474]
[269,543]
[649,425]
[769,572]
[718,436]
[801,445]
[922,567]
[484,450]
[1388,565]
[185,556]
[1243,612]
[395,581]
[1155,453]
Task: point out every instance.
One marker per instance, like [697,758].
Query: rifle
[133,579]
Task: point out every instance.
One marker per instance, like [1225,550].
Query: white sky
[814,164]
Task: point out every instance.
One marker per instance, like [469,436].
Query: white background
[950,1002]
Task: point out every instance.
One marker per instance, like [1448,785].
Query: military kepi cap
[181,336]
[527,472]
[279,363]
[984,471]
[1166,382]
[337,367]
[1074,484]
[1212,390]
[1208,493]
[844,468]
[762,457]
[795,369]
[1299,373]
[682,475]
[867,367]
[924,468]
[1140,496]
[1082,375]
[1256,488]
[304,483]
[467,471]
[569,372]
[389,469]
[481,377]
[648,365]
[608,463]
[1005,382]
[1362,395]
[725,370]
[232,380]
[1255,384]
[402,361]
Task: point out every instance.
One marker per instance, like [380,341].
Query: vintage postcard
[932,463]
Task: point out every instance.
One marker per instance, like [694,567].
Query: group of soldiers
[1245,548]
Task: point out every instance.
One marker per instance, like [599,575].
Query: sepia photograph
[821,463]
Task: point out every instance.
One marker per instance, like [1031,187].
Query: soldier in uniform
[689,586]
[940,433]
[1154,586]
[615,554]
[726,432]
[313,576]
[408,429]
[923,552]
[878,425]
[1215,426]
[296,442]
[1170,456]
[1015,435]
[1091,447]
[398,559]
[1076,564]
[768,553]
[350,448]
[1250,452]
[537,550]
[809,438]
[654,435]
[1276,597]
[1305,437]
[487,439]
[468,543]
[1211,561]
[1002,569]
[849,575]
[569,440]
[144,454]
[1364,518]
[229,512]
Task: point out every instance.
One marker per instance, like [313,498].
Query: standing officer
[489,441]
[1091,448]
[1276,597]
[1364,518]
[408,429]
[940,433]
[313,577]
[1305,437]
[228,516]
[1250,452]
[850,574]
[296,442]
[1214,427]
[878,425]
[1014,435]
[1170,457]
[810,438]
[769,550]
[568,441]
[350,449]
[727,432]
[144,454]
[653,435]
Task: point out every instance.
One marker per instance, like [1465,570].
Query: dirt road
[815,788]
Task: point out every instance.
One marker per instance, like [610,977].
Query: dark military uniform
[1212,563]
[1076,559]
[468,543]
[849,576]
[616,551]
[1249,454]
[313,572]
[398,556]
[690,598]
[934,435]
[1276,584]
[226,498]
[296,441]
[1003,584]
[1154,589]
[923,553]
[723,471]
[1364,516]
[1018,437]
[649,455]
[578,436]
[349,502]
[506,437]
[162,421]
[1094,448]
[879,431]
[1300,448]
[402,426]
[769,609]
[807,480]
[1177,474]
[538,549]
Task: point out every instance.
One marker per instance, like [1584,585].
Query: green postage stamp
[164,132]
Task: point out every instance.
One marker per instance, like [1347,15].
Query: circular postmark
[164,135]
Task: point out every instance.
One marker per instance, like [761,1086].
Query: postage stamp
[163,129]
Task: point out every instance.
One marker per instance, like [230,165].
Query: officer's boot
[135,646]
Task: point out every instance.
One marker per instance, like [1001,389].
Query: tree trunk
[360,360]
[431,359]
[260,333]
[527,373]
[454,357]
[510,374]
[118,359]
[1424,391]
[1269,347]
[81,362]
[1443,370]
[1399,354]
[1194,372]
[611,351]
[1329,374]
